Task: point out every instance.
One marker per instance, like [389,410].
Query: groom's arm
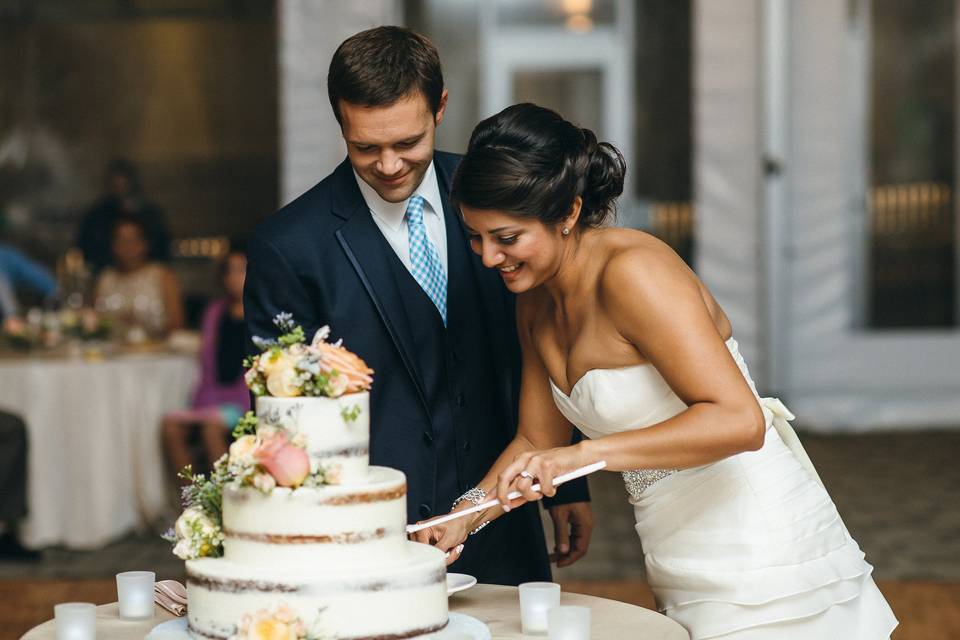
[272,287]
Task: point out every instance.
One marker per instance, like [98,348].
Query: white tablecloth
[96,468]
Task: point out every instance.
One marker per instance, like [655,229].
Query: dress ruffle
[754,542]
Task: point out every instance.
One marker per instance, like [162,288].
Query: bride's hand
[449,537]
[534,467]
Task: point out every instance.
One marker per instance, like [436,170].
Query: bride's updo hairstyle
[530,162]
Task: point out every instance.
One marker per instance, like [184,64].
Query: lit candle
[75,621]
[135,594]
[536,598]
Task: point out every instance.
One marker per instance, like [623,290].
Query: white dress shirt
[391,217]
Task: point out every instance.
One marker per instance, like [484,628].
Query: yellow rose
[283,380]
[272,629]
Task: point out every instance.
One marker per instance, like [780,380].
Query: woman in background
[221,396]
[134,291]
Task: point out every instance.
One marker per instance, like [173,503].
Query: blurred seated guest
[221,396]
[123,196]
[17,271]
[13,486]
[138,294]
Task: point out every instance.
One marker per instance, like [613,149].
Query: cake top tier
[289,366]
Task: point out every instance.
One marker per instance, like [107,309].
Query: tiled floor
[898,494]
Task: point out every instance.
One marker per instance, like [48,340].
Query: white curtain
[833,374]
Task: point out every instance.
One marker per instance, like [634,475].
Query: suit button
[428,438]
[425,511]
[466,446]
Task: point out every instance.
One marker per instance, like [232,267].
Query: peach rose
[334,357]
[289,465]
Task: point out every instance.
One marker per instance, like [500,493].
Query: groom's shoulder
[307,213]
[448,161]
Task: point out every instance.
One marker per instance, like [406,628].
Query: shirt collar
[393,213]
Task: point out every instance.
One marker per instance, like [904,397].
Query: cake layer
[359,524]
[337,430]
[404,601]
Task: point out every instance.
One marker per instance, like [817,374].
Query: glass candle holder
[536,598]
[135,594]
[75,621]
[568,623]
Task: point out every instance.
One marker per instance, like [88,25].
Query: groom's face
[391,147]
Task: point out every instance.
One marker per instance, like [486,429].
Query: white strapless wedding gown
[745,548]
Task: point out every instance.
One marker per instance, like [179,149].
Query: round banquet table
[95,461]
[497,606]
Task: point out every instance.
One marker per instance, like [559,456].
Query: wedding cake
[309,539]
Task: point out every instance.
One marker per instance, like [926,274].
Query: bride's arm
[656,304]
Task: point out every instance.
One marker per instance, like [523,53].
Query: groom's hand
[572,526]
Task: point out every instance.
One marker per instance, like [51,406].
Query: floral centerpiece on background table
[264,456]
[50,329]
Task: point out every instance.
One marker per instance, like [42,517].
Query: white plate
[464,626]
[461,626]
[458,582]
[175,629]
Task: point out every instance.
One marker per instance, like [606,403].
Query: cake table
[497,606]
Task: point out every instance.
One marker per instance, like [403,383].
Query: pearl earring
[565,231]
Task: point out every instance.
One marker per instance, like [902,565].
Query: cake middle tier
[327,527]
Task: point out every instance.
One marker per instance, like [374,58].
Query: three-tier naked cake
[312,538]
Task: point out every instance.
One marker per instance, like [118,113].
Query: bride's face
[525,251]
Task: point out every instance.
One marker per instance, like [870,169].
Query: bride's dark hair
[529,161]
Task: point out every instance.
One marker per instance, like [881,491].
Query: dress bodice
[607,401]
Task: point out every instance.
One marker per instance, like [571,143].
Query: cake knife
[513,495]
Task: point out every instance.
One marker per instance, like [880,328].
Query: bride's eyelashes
[476,241]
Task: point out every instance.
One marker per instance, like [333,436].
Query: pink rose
[289,465]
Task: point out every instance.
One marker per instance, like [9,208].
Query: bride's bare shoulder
[636,260]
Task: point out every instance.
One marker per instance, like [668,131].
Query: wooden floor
[926,610]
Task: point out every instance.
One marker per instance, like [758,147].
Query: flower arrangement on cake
[279,623]
[289,367]
[264,455]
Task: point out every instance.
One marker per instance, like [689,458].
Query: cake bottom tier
[405,600]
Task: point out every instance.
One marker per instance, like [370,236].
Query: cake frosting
[326,556]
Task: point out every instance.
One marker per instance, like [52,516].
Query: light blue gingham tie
[425,263]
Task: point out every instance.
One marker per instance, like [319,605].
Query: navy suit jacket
[323,259]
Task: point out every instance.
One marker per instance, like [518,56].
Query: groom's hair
[378,67]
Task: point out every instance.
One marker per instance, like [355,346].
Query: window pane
[573,93]
[912,171]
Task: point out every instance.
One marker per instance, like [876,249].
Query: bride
[620,338]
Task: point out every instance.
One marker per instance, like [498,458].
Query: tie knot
[415,209]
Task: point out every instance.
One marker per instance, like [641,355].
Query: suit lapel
[368,254]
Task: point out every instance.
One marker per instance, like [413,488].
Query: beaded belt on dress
[638,481]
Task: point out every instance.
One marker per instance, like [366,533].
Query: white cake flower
[184,524]
[241,451]
[264,482]
[338,385]
[184,550]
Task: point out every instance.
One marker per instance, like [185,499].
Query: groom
[376,251]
